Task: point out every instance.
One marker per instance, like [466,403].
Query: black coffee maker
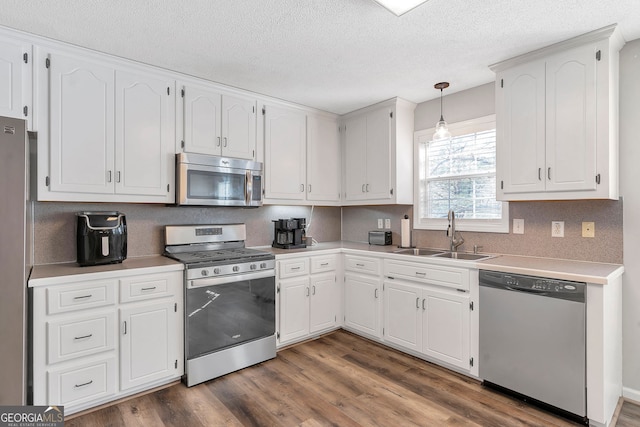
[289,233]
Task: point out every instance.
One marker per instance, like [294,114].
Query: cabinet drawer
[293,267]
[450,277]
[138,288]
[320,264]
[363,265]
[76,385]
[79,296]
[73,338]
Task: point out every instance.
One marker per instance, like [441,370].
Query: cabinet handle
[108,176]
[225,141]
[363,188]
[83,337]
[324,264]
[314,290]
[83,296]
[418,302]
[549,173]
[148,289]
[84,384]
[359,265]
[309,188]
[423,308]
[118,176]
[367,188]
[420,273]
[307,291]
[375,293]
[125,327]
[295,268]
[539,174]
[218,144]
[302,188]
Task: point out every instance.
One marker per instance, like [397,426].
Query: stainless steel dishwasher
[533,339]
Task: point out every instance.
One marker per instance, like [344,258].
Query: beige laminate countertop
[42,275]
[580,271]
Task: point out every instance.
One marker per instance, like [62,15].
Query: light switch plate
[379,222]
[387,223]
[518,226]
[588,229]
[557,228]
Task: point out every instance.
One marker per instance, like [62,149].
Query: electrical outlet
[518,226]
[588,229]
[557,228]
[379,222]
[387,223]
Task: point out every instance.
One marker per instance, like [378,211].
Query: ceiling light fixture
[400,7]
[442,131]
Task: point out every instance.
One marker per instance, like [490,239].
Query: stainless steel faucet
[451,232]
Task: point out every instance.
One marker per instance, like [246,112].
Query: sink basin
[462,255]
[418,251]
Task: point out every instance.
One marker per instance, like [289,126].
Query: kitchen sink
[463,256]
[418,251]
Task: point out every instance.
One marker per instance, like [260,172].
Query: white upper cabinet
[323,160]
[556,117]
[378,154]
[302,157]
[110,134]
[217,123]
[15,79]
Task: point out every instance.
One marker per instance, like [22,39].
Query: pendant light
[442,131]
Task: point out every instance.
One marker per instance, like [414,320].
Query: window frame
[476,225]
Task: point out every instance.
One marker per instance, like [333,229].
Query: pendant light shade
[442,130]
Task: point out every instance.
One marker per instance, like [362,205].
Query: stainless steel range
[229,299]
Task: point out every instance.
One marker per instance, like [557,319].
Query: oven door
[225,312]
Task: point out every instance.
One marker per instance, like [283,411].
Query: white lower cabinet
[362,295]
[102,338]
[308,297]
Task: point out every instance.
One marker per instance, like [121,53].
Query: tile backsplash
[606,246]
[55,227]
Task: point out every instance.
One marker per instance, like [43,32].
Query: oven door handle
[213,281]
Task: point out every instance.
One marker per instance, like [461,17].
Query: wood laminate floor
[337,380]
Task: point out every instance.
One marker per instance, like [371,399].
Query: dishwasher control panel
[563,289]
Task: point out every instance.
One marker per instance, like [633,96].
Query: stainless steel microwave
[205,180]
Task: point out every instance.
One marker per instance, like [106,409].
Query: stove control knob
[263,265]
[216,271]
[236,268]
[253,266]
[205,272]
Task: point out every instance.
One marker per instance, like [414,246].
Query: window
[459,174]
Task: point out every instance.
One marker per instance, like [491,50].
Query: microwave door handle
[248,190]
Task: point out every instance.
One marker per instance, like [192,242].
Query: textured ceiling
[335,55]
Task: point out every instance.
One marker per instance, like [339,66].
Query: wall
[606,246]
[55,225]
[629,181]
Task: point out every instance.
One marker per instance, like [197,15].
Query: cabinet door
[520,106]
[294,308]
[323,160]
[355,158]
[15,79]
[571,120]
[378,182]
[324,302]
[202,121]
[148,343]
[402,314]
[81,123]
[238,127]
[361,305]
[285,154]
[445,327]
[145,132]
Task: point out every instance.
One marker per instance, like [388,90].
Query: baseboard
[631,394]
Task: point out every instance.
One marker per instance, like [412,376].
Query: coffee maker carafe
[289,233]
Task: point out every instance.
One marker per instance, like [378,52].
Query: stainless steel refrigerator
[16,258]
